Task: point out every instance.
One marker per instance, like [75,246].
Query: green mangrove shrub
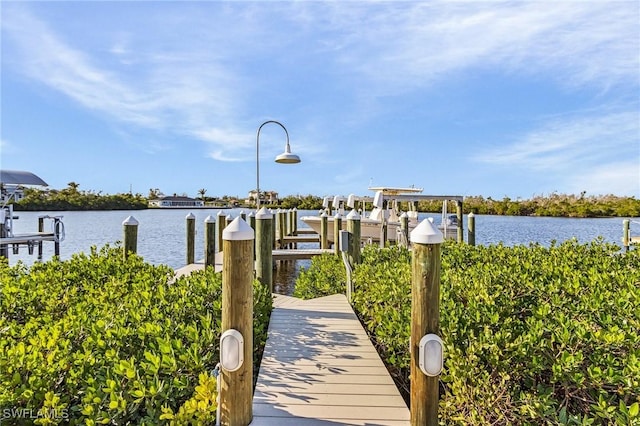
[533,335]
[101,340]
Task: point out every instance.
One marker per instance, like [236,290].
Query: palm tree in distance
[201,192]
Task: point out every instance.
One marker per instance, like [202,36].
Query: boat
[11,183]
[385,210]
[449,227]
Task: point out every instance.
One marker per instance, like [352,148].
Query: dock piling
[460,223]
[626,234]
[324,231]
[236,387]
[264,258]
[209,241]
[425,318]
[130,228]
[353,227]
[337,227]
[471,231]
[191,238]
[222,223]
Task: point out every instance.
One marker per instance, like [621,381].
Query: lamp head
[287,157]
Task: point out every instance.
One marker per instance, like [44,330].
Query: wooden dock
[320,368]
[278,254]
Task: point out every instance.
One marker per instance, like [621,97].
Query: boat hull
[369,229]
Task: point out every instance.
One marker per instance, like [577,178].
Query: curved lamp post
[285,158]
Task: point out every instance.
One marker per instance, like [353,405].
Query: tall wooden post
[40,229]
[404,227]
[353,227]
[264,255]
[337,227]
[243,215]
[383,226]
[471,229]
[288,227]
[281,227]
[252,220]
[222,223]
[228,220]
[425,318]
[4,248]
[236,387]
[210,241]
[324,231]
[130,244]
[626,234]
[460,223]
[191,238]
[273,228]
[294,221]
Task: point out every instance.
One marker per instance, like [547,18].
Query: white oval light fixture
[430,359]
[231,350]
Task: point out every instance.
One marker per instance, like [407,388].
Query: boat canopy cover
[389,190]
[15,177]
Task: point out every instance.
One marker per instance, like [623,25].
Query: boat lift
[8,238]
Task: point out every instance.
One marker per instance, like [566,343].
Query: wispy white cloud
[415,44]
[620,178]
[168,92]
[599,151]
[571,142]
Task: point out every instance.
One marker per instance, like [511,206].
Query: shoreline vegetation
[553,205]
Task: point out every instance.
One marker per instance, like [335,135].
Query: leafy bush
[533,335]
[97,339]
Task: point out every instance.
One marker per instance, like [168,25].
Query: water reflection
[285,275]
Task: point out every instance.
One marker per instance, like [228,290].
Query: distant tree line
[554,205]
[71,198]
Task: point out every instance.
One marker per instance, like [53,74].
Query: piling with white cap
[130,227]
[236,387]
[264,244]
[426,240]
[353,227]
[191,238]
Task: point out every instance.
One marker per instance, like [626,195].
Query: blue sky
[467,98]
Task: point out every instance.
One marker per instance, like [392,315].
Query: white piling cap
[238,230]
[264,213]
[426,233]
[190,216]
[251,214]
[471,215]
[338,215]
[403,215]
[130,221]
[221,213]
[210,219]
[353,215]
[324,214]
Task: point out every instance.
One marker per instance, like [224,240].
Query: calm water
[161,233]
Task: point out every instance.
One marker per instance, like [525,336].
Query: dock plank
[320,368]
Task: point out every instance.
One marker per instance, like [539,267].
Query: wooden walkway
[278,254]
[319,368]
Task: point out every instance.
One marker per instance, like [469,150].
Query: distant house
[176,201]
[266,197]
[11,192]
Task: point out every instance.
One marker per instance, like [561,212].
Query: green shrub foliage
[533,334]
[102,340]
